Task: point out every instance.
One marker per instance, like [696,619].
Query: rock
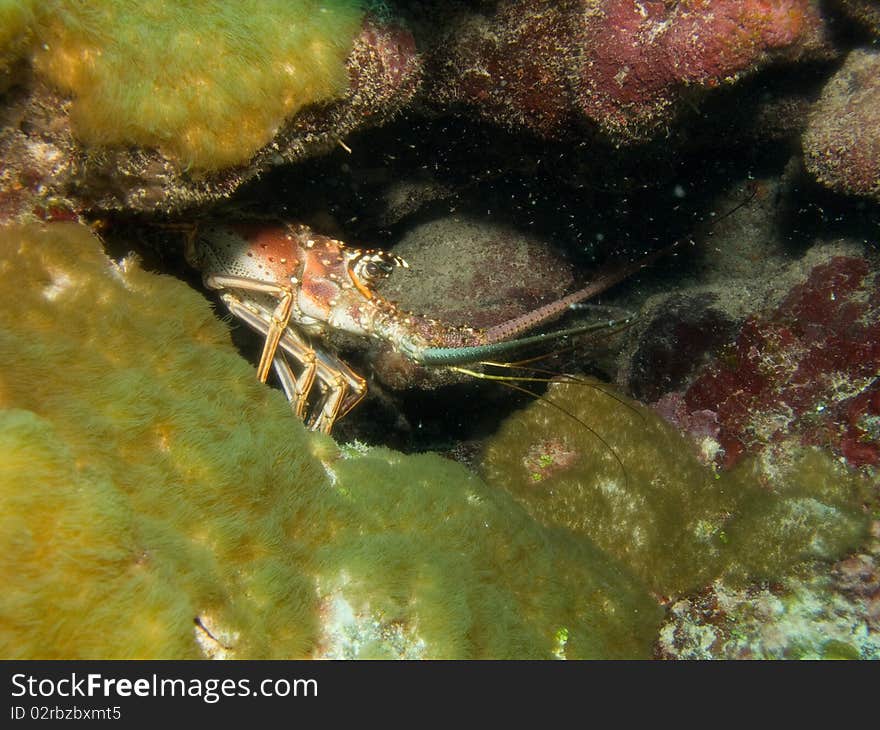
[842,139]
[465,272]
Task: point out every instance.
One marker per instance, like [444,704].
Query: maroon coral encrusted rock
[807,370]
[642,59]
[627,66]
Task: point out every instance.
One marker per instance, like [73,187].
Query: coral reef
[158,502]
[208,84]
[119,508]
[258,116]
[805,371]
[604,467]
[842,139]
[827,616]
[628,67]
[388,553]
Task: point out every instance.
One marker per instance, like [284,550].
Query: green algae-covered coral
[127,465]
[16,22]
[473,531]
[635,488]
[158,502]
[207,82]
[807,509]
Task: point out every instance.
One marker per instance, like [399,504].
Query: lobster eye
[369,267]
[373,266]
[373,270]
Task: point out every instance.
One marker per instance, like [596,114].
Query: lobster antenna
[552,376]
[605,280]
[451,356]
[506,381]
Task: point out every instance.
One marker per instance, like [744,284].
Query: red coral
[623,64]
[809,369]
[384,62]
[547,458]
[515,67]
[640,56]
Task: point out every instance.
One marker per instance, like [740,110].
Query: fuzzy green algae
[635,487]
[207,82]
[156,501]
[16,35]
[443,530]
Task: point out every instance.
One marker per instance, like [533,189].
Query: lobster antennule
[477,353]
[513,327]
[503,338]
[503,332]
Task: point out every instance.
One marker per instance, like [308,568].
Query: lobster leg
[278,321]
[328,409]
[342,389]
[296,388]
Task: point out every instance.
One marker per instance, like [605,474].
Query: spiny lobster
[291,284]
